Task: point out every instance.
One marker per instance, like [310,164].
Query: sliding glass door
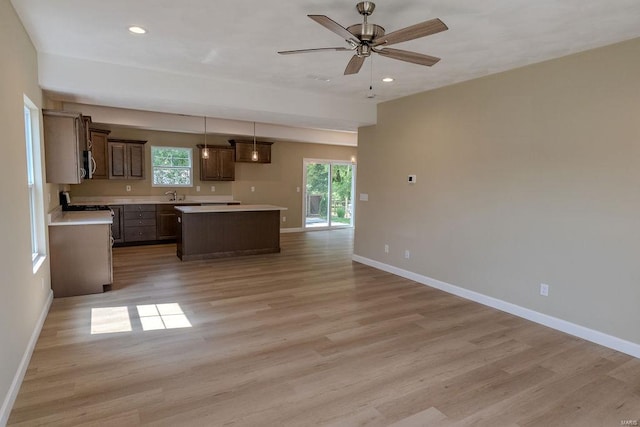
[328,198]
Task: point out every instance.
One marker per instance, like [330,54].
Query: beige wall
[526,177]
[275,183]
[23,294]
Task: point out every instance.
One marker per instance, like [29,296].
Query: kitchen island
[223,231]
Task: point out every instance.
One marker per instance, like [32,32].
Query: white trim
[291,230]
[615,343]
[10,398]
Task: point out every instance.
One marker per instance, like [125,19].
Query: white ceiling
[219,58]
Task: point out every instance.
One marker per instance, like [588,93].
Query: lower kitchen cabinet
[81,260]
[166,221]
[117,228]
[139,223]
[145,223]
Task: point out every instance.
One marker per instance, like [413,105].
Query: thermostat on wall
[411,179]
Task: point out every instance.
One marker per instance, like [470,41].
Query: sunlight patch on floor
[162,316]
[153,317]
[109,320]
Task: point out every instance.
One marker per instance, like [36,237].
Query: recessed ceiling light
[387,79]
[137,30]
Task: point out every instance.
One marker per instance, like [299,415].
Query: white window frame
[35,185]
[189,150]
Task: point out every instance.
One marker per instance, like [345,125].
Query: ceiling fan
[366,38]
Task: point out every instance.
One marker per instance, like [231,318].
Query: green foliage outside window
[171,166]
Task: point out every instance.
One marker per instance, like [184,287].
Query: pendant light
[205,150]
[254,153]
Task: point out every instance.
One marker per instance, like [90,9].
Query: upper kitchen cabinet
[98,143]
[220,166]
[125,158]
[64,145]
[244,150]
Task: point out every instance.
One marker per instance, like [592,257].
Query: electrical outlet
[128,188]
[386,249]
[407,254]
[253,189]
[284,219]
[544,290]
[213,188]
[198,188]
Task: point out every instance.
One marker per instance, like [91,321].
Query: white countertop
[229,208]
[80,218]
[149,200]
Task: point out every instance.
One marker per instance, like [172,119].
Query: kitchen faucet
[174,195]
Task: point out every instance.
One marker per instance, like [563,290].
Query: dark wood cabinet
[98,145]
[126,159]
[220,166]
[244,149]
[166,222]
[117,231]
[139,223]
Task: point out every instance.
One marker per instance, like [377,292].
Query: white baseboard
[615,343]
[291,230]
[10,398]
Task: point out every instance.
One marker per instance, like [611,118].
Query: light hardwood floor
[307,337]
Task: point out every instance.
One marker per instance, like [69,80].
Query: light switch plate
[412,179]
[364,197]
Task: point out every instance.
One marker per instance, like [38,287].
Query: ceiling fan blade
[354,65]
[413,32]
[321,49]
[405,55]
[332,25]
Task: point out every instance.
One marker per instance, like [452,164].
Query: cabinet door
[98,141]
[227,165]
[135,154]
[117,225]
[166,222]
[63,153]
[209,167]
[80,259]
[117,160]
[244,149]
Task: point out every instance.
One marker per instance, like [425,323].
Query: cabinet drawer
[138,208]
[138,215]
[139,234]
[140,222]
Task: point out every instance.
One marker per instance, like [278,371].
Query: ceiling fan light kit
[366,38]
